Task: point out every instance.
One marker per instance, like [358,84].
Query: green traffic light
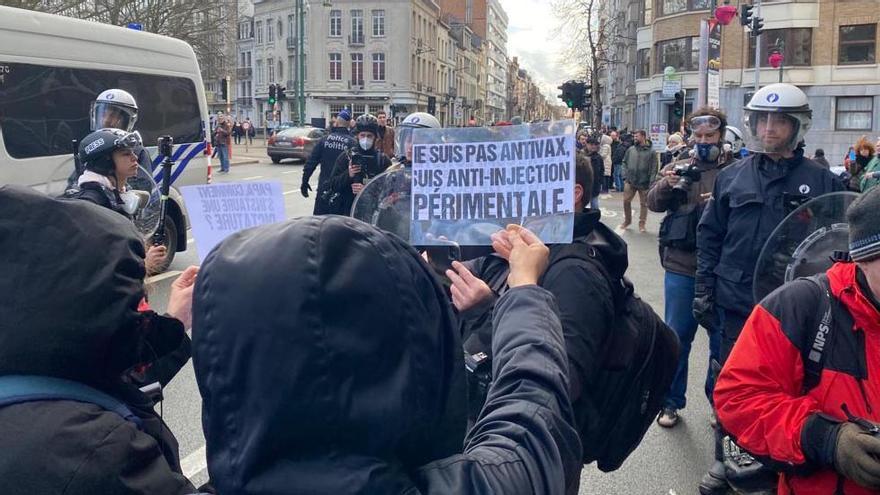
[271,101]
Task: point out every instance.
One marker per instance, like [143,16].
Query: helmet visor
[771,132]
[131,140]
[109,115]
[403,142]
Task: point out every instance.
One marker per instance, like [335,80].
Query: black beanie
[863,216]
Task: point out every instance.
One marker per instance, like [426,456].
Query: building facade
[829,48]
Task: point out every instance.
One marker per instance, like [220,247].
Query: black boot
[714,481]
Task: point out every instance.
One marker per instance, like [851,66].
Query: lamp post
[777,58]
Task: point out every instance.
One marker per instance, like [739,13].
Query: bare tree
[590,33]
[208,25]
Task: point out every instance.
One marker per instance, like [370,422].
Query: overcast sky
[530,37]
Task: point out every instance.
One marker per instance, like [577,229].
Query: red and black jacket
[760,396]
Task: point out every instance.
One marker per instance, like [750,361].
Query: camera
[166,145]
[368,163]
[689,174]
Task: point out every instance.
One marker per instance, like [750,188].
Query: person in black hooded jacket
[357,167]
[68,314]
[583,293]
[329,362]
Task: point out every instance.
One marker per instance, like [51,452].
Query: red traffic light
[775,59]
[725,14]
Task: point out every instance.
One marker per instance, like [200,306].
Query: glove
[858,456]
[304,189]
[704,306]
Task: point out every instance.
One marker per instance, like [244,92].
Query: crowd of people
[333,357]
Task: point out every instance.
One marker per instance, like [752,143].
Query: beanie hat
[863,216]
[345,114]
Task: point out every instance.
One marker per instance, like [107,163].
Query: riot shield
[804,243]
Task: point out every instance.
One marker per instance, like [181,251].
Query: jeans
[223,153]
[618,177]
[678,297]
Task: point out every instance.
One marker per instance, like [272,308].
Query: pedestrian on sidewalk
[221,143]
[640,166]
[246,129]
[251,131]
[236,131]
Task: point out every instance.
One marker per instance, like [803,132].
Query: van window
[42,109]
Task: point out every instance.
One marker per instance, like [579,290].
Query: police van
[51,70]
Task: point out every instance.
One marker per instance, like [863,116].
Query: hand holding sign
[528,258]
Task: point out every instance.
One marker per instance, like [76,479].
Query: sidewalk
[241,156]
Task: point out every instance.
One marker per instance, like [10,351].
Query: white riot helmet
[417,120]
[733,140]
[114,108]
[776,119]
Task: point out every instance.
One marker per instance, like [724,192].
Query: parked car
[294,142]
[284,125]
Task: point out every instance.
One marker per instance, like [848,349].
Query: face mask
[130,202]
[707,152]
[366,143]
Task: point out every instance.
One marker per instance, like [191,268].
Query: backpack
[640,360]
[17,389]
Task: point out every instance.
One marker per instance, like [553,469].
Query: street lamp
[777,58]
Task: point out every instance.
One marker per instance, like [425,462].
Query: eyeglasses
[710,121]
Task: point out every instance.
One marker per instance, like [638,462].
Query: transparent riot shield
[804,243]
[140,198]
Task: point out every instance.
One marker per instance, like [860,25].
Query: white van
[51,70]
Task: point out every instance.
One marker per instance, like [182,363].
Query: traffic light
[587,100]
[757,26]
[578,94]
[678,105]
[224,89]
[279,92]
[272,94]
[745,14]
[567,94]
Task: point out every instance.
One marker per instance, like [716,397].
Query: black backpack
[640,360]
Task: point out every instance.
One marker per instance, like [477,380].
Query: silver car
[295,142]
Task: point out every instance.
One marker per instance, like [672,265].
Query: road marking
[194,463]
[289,172]
[254,177]
[289,192]
[162,276]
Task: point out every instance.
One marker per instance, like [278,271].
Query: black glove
[704,306]
[857,456]
[304,188]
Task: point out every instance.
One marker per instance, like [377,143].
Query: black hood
[72,280]
[327,359]
[611,247]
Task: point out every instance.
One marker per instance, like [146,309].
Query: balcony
[356,84]
[356,39]
[245,100]
[243,72]
[292,42]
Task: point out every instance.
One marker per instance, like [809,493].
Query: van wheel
[275,159]
[170,244]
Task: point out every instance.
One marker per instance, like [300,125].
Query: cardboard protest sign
[470,182]
[219,210]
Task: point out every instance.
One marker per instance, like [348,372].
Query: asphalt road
[668,461]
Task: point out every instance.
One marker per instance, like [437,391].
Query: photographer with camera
[799,387]
[357,166]
[681,191]
[328,149]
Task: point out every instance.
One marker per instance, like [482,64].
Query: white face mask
[366,143]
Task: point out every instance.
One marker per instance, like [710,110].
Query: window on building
[695,53]
[378,66]
[270,31]
[291,68]
[335,66]
[259,72]
[280,29]
[291,26]
[280,70]
[644,63]
[676,53]
[797,50]
[357,68]
[669,7]
[378,23]
[855,113]
[858,44]
[335,23]
[243,60]
[259,30]
[270,71]
[248,59]
[358,109]
[357,26]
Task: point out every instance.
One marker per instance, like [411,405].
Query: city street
[667,462]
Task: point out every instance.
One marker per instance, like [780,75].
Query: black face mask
[863,160]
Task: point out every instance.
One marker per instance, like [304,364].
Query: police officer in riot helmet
[750,198]
[117,109]
[109,157]
[358,166]
[403,139]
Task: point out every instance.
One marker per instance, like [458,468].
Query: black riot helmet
[367,123]
[96,149]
